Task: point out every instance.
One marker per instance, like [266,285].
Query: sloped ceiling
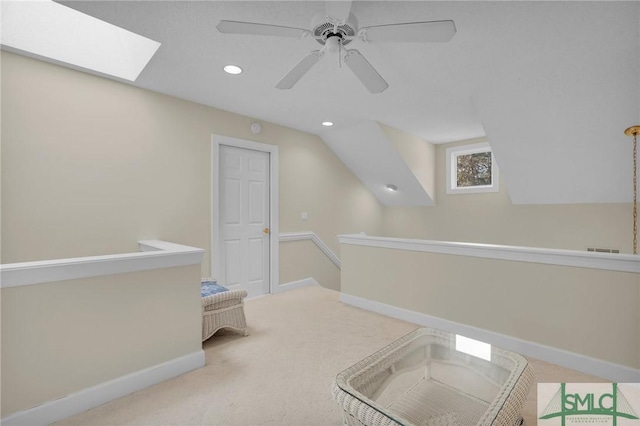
[551,84]
[557,133]
[369,153]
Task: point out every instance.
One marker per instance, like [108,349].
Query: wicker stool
[223,310]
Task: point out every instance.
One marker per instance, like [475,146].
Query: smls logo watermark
[612,404]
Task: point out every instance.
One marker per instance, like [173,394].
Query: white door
[244,220]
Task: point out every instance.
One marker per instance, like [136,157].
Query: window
[471,168]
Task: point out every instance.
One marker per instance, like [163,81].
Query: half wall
[544,303]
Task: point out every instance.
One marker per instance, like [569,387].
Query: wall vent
[603,250]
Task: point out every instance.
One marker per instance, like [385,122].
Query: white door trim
[274,244]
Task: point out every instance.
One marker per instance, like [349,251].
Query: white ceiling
[553,85]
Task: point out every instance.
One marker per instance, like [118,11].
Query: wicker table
[425,378]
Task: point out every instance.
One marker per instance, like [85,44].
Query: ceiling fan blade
[337,9]
[429,32]
[364,71]
[300,69]
[237,27]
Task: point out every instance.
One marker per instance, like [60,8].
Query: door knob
[266,230]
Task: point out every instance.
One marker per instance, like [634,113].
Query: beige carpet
[281,374]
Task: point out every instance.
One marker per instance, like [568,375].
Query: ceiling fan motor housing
[323,27]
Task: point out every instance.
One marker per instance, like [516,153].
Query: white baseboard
[596,367]
[296,284]
[78,402]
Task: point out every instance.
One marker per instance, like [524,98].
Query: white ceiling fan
[336,29]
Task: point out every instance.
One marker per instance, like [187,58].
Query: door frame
[274,240]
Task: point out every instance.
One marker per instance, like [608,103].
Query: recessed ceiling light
[51,30]
[327,123]
[391,187]
[232,69]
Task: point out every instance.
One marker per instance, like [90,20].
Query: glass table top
[435,377]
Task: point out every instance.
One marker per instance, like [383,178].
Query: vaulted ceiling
[552,85]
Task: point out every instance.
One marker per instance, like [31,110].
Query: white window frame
[452,169]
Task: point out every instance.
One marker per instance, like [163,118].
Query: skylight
[51,30]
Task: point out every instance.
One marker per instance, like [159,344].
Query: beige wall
[491,218]
[314,180]
[91,166]
[586,311]
[303,259]
[66,336]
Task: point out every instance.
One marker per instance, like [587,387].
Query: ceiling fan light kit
[336,29]
[333,44]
